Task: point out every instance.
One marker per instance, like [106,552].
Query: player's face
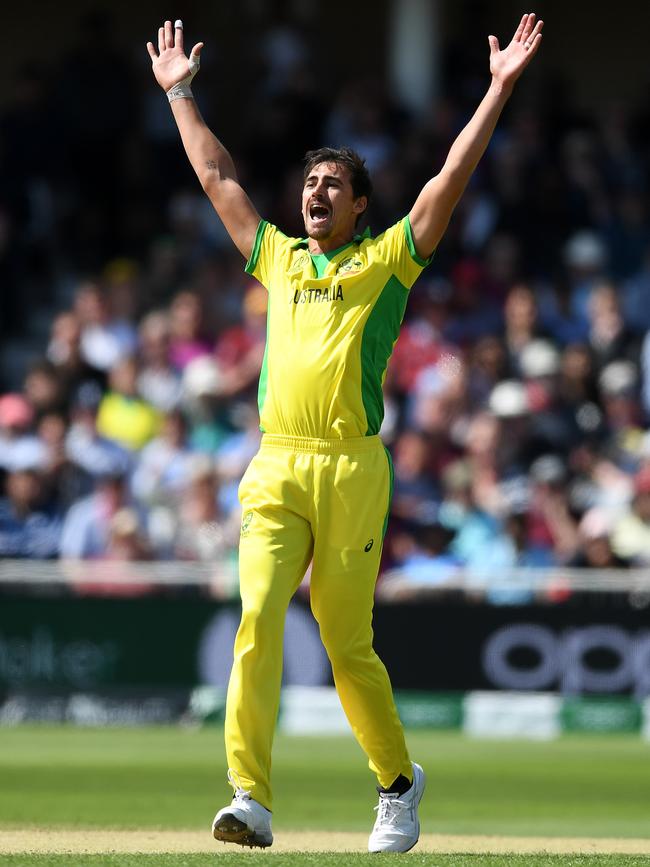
[329,207]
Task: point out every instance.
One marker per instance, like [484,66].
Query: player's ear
[360,205]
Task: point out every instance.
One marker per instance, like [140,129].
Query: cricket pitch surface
[75,841]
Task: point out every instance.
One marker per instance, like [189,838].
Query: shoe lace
[241,794]
[389,809]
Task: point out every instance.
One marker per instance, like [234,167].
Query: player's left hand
[506,65]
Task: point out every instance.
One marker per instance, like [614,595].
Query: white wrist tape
[182,90]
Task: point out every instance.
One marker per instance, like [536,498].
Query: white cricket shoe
[243,821]
[397,828]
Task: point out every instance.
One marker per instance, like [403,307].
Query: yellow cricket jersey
[333,320]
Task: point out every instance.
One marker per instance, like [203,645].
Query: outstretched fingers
[535,43]
[494,45]
[520,29]
[534,38]
[178,34]
[169,35]
[528,27]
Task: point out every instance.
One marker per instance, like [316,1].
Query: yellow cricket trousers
[324,501]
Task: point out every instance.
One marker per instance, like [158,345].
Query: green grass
[175,778]
[318,859]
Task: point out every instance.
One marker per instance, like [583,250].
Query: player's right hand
[170,65]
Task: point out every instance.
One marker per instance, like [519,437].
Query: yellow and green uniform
[319,488]
[332,323]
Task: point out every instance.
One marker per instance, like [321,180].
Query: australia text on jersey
[317,295]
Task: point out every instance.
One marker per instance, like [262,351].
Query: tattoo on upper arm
[211,164]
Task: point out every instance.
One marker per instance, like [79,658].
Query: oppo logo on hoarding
[603,658]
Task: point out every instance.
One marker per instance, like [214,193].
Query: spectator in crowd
[94,454]
[552,421]
[124,294]
[415,494]
[512,549]
[126,541]
[586,259]
[631,534]
[205,404]
[126,545]
[482,446]
[509,402]
[44,389]
[159,382]
[521,324]
[487,366]
[20,448]
[65,353]
[475,530]
[437,402]
[187,323]
[86,529]
[114,572]
[551,524]
[598,482]
[204,531]
[104,340]
[595,551]
[123,416]
[609,337]
[618,386]
[64,480]
[240,349]
[469,318]
[576,387]
[162,467]
[429,563]
[30,522]
[421,342]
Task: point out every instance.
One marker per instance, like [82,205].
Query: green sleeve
[251,265]
[408,231]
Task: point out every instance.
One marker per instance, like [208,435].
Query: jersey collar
[303,242]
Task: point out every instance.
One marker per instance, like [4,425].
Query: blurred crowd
[518,396]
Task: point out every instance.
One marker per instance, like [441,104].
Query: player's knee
[264,614]
[345,650]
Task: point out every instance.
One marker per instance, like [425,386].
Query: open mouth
[318,213]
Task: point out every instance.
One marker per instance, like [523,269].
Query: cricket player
[319,488]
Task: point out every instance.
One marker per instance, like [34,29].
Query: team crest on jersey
[299,262]
[245,523]
[349,265]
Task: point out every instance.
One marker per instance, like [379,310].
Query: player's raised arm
[210,160]
[433,208]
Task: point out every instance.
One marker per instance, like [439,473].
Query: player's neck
[333,242]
